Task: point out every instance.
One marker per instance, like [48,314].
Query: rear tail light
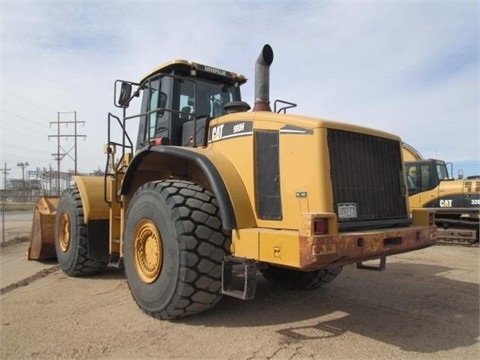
[320,226]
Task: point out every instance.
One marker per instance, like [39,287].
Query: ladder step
[116,261]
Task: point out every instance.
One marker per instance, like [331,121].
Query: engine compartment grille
[367,179]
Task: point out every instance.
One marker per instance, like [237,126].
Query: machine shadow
[391,307]
[109,273]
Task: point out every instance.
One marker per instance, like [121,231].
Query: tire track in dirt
[24,282]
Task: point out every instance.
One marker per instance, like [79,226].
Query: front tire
[174,245]
[71,244]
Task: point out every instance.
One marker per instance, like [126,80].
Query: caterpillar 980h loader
[212,194]
[456,203]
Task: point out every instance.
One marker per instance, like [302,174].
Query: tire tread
[203,244]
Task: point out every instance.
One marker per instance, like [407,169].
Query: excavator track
[457,232]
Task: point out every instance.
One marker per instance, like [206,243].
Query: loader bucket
[42,240]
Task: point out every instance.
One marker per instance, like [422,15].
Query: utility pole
[60,155]
[50,192]
[23,166]
[4,197]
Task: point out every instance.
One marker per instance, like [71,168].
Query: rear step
[380,267]
[239,278]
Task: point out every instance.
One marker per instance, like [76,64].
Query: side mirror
[125,94]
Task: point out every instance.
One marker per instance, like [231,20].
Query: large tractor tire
[299,280]
[173,249]
[71,243]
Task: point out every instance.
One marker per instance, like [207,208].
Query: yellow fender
[91,190]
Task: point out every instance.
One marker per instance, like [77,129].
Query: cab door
[155,117]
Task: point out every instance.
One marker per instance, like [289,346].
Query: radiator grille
[367,180]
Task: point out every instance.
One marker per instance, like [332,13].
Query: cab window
[156,108]
[186,99]
[418,178]
[203,98]
[442,172]
[425,177]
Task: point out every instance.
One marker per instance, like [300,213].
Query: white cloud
[409,68]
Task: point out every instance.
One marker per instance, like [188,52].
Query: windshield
[202,97]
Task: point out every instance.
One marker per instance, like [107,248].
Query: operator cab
[178,99]
[425,175]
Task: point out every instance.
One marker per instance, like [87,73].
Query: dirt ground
[424,306]
[17,224]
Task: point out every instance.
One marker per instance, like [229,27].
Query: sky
[410,68]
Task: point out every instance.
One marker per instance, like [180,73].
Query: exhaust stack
[262,79]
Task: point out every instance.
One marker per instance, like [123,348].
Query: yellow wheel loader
[210,195]
[456,203]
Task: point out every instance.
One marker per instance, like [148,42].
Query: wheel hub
[64,232]
[148,251]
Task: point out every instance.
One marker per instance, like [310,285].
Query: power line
[29,101]
[24,118]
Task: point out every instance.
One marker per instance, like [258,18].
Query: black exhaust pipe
[262,79]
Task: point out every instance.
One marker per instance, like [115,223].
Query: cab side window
[425,177]
[412,179]
[158,123]
[418,178]
[152,122]
[158,100]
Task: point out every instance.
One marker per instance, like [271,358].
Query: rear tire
[300,280]
[71,244]
[173,248]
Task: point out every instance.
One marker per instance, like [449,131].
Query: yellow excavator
[211,194]
[456,203]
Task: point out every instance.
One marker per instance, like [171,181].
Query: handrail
[110,169]
[284,109]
